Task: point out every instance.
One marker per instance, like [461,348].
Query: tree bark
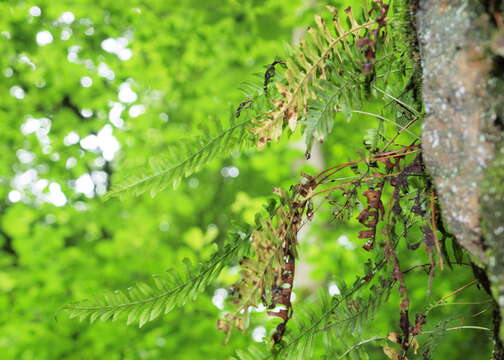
[461,43]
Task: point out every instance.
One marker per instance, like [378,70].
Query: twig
[350,183]
[457,291]
[393,154]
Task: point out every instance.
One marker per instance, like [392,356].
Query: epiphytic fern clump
[386,195]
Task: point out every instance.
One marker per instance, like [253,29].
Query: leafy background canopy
[92,89]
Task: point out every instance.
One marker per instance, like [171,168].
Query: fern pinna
[145,302]
[333,70]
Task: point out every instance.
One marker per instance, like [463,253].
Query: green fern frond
[144,302]
[332,318]
[184,160]
[340,92]
[320,118]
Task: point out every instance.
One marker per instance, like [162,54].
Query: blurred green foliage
[89,86]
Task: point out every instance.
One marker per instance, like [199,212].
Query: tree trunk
[461,43]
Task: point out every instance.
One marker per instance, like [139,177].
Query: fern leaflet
[172,170]
[143,302]
[306,66]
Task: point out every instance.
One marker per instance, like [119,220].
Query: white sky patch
[259,333]
[44,38]
[25,156]
[126,95]
[56,196]
[86,81]
[344,241]
[24,179]
[108,143]
[99,162]
[87,113]
[89,64]
[35,11]
[73,53]
[125,54]
[66,34]
[66,18]
[89,31]
[90,143]
[39,186]
[105,72]
[230,171]
[14,196]
[219,297]
[136,110]
[115,114]
[71,139]
[71,162]
[333,289]
[43,135]
[85,185]
[30,125]
[26,60]
[100,180]
[117,46]
[99,177]
[17,92]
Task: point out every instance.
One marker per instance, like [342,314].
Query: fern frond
[340,92]
[145,302]
[320,119]
[306,66]
[184,160]
[260,277]
[332,319]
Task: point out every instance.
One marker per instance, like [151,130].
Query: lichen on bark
[492,210]
[459,119]
[463,147]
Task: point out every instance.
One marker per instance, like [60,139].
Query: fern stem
[333,169]
[350,183]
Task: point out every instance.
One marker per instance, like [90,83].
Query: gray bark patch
[458,133]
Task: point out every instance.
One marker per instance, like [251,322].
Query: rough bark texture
[461,50]
[458,128]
